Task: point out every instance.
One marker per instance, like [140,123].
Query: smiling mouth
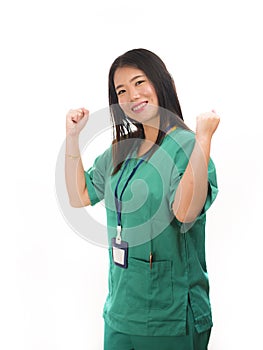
[139,107]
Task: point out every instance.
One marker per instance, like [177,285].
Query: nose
[133,94]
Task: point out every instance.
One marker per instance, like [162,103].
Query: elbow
[184,215]
[187,210]
[185,219]
[79,202]
[75,204]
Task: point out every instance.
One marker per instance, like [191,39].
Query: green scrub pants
[114,340]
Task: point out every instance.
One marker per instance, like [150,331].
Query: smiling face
[136,95]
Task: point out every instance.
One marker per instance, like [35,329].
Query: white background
[55,55]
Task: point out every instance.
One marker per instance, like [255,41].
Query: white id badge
[120,253]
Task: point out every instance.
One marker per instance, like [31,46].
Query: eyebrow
[132,79]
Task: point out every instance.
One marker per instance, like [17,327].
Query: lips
[139,107]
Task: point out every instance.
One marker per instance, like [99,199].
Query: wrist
[72,142]
[72,145]
[203,145]
[72,136]
[203,139]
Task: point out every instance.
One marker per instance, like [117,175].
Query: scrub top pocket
[149,288]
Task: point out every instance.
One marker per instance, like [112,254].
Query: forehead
[124,74]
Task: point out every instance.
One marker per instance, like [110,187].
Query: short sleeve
[181,160]
[96,176]
[212,186]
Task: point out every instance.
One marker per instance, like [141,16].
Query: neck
[151,130]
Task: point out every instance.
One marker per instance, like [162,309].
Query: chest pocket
[149,288]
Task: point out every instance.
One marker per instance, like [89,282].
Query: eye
[120,92]
[139,82]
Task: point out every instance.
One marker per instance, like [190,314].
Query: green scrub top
[153,301]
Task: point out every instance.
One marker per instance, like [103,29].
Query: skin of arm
[74,171]
[192,190]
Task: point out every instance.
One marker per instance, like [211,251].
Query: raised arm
[192,190]
[74,171]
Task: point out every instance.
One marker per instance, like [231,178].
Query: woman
[157,180]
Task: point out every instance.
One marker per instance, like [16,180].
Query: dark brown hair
[126,129]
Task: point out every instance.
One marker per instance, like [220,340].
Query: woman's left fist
[206,124]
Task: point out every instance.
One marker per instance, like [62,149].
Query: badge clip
[118,238]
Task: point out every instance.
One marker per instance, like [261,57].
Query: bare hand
[76,120]
[206,124]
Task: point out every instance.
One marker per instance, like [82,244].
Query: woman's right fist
[76,120]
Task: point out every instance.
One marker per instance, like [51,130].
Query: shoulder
[179,139]
[180,135]
[105,158]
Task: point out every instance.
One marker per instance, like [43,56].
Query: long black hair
[126,129]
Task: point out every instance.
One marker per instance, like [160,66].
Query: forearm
[192,190]
[74,173]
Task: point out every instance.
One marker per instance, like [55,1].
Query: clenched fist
[206,124]
[76,120]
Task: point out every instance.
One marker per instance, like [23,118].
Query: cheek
[150,91]
[123,99]
[125,106]
[147,90]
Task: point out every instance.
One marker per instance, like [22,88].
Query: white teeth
[139,106]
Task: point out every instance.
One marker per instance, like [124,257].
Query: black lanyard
[118,200]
